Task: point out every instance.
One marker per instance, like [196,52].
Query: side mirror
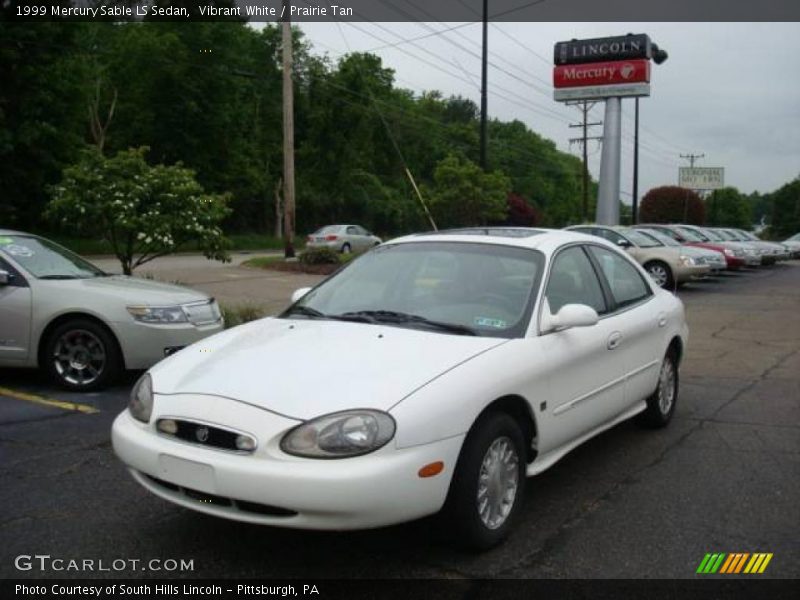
[570,315]
[299,293]
[624,244]
[5,277]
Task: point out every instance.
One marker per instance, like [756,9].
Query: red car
[689,238]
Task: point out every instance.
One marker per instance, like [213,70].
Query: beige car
[83,326]
[668,266]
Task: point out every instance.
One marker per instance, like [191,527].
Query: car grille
[222,501]
[202,313]
[204,435]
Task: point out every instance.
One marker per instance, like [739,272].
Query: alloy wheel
[79,357]
[498,482]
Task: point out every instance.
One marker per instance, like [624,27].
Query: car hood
[695,252]
[133,290]
[305,368]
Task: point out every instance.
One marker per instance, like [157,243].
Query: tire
[470,522]
[81,356]
[661,403]
[346,249]
[661,274]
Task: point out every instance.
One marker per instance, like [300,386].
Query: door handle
[614,340]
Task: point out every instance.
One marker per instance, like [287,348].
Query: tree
[786,210]
[521,213]
[143,211]
[727,207]
[672,204]
[463,195]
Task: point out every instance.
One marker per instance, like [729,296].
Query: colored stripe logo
[733,563]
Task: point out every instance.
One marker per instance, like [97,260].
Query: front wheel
[81,356]
[661,274]
[488,483]
[661,403]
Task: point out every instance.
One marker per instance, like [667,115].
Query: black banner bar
[401,10]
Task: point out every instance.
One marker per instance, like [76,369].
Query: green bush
[319,256]
[236,315]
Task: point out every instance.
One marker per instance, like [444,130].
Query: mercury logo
[627,70]
[201,433]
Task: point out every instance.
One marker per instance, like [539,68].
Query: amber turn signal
[432,469]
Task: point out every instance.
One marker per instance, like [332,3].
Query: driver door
[15,316]
[587,385]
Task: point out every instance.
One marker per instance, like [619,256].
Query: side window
[360,230]
[627,284]
[352,231]
[611,236]
[573,281]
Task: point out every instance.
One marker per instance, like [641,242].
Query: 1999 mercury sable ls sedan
[432,374]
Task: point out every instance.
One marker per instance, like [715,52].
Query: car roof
[524,237]
[12,232]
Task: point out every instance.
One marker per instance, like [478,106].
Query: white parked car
[432,374]
[343,238]
[83,326]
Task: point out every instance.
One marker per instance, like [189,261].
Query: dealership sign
[602,73]
[623,47]
[597,92]
[701,178]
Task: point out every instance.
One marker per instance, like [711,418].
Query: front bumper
[686,273]
[272,488]
[143,344]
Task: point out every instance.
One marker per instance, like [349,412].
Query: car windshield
[708,234]
[450,287]
[664,239]
[641,240]
[725,235]
[327,229]
[794,238]
[45,260]
[692,235]
[738,235]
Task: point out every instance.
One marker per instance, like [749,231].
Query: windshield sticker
[6,240]
[487,322]
[20,251]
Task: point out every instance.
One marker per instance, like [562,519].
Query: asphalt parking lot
[723,477]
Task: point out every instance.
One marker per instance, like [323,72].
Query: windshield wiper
[60,277]
[306,311]
[391,316]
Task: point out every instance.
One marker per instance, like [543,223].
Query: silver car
[702,256]
[343,238]
[83,326]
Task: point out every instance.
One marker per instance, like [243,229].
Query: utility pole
[483,81]
[288,136]
[583,140]
[691,158]
[635,203]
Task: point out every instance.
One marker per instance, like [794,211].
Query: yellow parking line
[74,406]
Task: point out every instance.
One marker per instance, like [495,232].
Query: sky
[729,91]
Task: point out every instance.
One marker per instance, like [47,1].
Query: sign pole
[608,195]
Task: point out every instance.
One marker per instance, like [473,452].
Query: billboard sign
[623,47]
[701,178]
[596,92]
[602,73]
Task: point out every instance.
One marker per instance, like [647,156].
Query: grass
[239,241]
[278,263]
[243,313]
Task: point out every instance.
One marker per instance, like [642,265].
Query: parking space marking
[72,406]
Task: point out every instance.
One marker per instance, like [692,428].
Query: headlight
[158,314]
[141,402]
[728,252]
[340,435]
[687,261]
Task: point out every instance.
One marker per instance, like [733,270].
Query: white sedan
[83,326]
[432,374]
